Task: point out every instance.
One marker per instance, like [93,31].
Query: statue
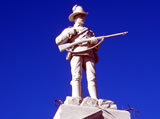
[82,46]
[80,60]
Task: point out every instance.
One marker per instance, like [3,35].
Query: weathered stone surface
[82,112]
[105,104]
[89,102]
[73,100]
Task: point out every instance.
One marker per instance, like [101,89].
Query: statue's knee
[75,82]
[91,83]
[76,77]
[91,77]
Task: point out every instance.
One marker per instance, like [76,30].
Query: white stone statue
[79,56]
[81,46]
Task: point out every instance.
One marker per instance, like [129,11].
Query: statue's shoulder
[88,29]
[90,32]
[66,29]
[70,27]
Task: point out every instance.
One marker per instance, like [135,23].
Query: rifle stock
[68,45]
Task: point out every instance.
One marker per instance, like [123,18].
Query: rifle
[68,45]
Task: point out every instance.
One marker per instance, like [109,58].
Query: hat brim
[71,16]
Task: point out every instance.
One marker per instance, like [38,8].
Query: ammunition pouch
[69,56]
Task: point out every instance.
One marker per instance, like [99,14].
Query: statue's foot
[90,102]
[73,100]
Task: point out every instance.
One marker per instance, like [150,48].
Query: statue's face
[80,19]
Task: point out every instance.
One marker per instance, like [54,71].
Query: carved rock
[73,100]
[90,102]
[105,104]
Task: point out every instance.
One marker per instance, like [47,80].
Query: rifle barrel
[108,36]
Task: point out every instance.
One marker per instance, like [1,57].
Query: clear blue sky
[33,73]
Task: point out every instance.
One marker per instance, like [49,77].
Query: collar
[77,25]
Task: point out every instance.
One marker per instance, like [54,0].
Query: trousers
[78,63]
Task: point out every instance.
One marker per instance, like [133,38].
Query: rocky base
[88,108]
[90,102]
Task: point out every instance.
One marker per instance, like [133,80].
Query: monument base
[88,110]
[66,111]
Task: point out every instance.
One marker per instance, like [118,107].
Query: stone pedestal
[82,112]
[89,109]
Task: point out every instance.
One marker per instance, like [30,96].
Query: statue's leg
[90,67]
[76,71]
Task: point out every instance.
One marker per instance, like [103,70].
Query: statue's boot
[76,89]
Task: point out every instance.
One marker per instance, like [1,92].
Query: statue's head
[78,12]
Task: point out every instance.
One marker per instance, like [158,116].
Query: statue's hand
[71,31]
[93,41]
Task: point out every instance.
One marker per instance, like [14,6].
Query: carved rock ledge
[90,102]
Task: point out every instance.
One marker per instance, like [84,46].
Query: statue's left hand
[93,41]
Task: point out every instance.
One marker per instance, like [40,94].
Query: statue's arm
[62,38]
[65,35]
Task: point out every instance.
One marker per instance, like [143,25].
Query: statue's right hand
[72,31]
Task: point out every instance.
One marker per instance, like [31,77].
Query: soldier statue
[82,46]
[80,58]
